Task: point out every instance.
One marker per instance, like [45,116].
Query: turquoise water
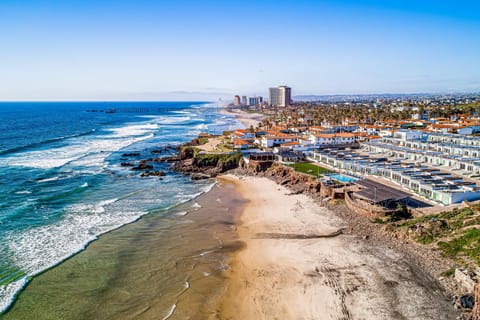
[62,184]
[342,178]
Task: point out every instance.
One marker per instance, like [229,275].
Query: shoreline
[167,210]
[279,274]
[247,119]
[117,276]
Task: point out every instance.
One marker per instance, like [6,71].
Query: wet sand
[297,265]
[166,265]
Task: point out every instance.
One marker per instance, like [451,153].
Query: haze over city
[184,50]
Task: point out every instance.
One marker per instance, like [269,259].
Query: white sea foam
[8,292]
[181,213]
[23,192]
[196,205]
[40,248]
[133,130]
[148,117]
[82,151]
[208,187]
[48,179]
[98,207]
[170,312]
[173,120]
[205,253]
[201,126]
[220,123]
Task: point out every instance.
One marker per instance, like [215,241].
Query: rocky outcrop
[254,167]
[283,175]
[196,142]
[153,174]
[163,149]
[211,165]
[143,165]
[190,160]
[200,176]
[127,164]
[132,154]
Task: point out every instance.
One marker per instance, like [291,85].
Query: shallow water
[167,264]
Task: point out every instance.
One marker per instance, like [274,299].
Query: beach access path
[297,264]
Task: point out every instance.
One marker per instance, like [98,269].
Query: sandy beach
[296,265]
[246,118]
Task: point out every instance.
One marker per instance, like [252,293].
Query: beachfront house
[269,141]
[242,144]
[325,139]
[242,134]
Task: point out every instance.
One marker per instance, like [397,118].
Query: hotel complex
[280,96]
[424,163]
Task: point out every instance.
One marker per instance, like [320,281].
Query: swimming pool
[342,178]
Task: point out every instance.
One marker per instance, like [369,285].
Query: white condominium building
[280,96]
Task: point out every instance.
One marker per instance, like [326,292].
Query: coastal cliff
[285,176]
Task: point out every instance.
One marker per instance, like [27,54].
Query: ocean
[62,182]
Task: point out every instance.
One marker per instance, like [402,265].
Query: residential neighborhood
[412,143]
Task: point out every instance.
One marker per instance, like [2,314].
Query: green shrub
[467,244]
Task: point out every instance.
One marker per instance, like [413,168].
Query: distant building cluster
[277,97]
[244,101]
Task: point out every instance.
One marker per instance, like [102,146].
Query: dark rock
[143,166]
[163,149]
[467,301]
[186,153]
[132,154]
[167,159]
[200,176]
[126,164]
[153,174]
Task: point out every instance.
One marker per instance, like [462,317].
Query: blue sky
[181,50]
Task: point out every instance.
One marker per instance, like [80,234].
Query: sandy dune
[281,274]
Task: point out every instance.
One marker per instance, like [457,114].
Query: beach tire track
[344,281]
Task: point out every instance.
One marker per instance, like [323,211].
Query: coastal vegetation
[217,159]
[455,233]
